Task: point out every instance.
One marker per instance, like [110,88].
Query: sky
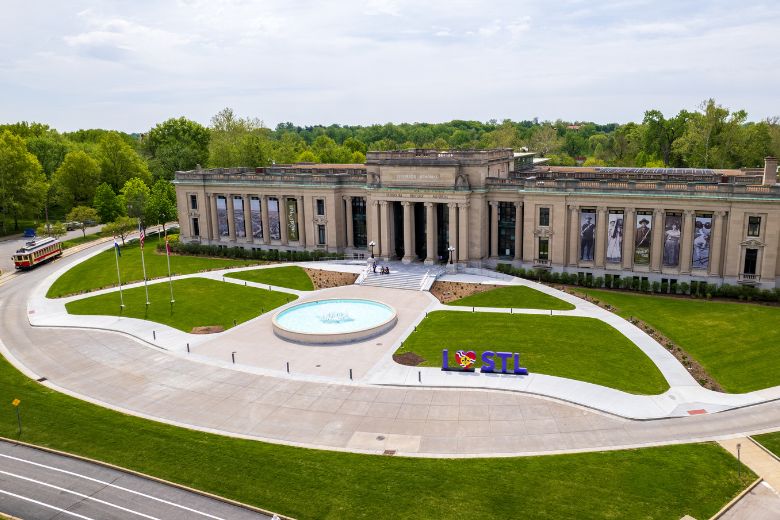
[128,65]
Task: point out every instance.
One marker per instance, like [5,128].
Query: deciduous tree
[106,203]
[136,195]
[83,215]
[22,181]
[76,179]
[119,162]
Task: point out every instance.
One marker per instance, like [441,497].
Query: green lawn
[100,271]
[199,302]
[654,483]
[770,441]
[82,239]
[518,297]
[577,348]
[292,277]
[737,343]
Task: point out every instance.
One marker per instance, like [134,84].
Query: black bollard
[188,347]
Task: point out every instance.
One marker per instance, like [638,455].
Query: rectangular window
[193,202]
[222,218]
[754,226]
[544,216]
[273,218]
[359,232]
[256,217]
[320,207]
[544,249]
[195,227]
[751,259]
[239,216]
[321,234]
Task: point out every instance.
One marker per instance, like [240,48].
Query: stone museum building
[486,206]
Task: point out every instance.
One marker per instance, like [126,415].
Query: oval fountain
[331,321]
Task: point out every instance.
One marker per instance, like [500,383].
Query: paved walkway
[120,372]
[756,458]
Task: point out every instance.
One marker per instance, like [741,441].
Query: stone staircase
[413,278]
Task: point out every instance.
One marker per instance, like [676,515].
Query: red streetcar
[37,252]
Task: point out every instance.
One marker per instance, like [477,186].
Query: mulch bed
[326,279]
[207,329]
[409,359]
[448,292]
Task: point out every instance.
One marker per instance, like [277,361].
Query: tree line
[46,172]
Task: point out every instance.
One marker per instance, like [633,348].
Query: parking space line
[44,504]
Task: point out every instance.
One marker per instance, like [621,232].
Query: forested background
[43,171]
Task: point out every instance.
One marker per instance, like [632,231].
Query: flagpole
[143,263]
[168,256]
[118,277]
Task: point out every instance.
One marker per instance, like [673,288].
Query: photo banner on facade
[222,218]
[700,259]
[273,219]
[672,235]
[238,217]
[256,216]
[643,237]
[292,220]
[615,237]
[587,234]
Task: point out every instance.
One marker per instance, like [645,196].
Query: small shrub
[684,288]
[656,286]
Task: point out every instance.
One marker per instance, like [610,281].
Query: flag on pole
[117,254]
[168,258]
[141,235]
[116,247]
[143,263]
[167,247]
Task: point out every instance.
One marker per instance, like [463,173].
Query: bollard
[419,376]
[472,309]
[350,374]
[154,335]
[234,323]
[511,311]
[244,283]
[269,288]
[233,355]
[288,367]
[188,347]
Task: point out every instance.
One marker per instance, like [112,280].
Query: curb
[149,477]
[764,448]
[736,499]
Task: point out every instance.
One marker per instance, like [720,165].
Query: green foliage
[518,297]
[107,204]
[161,206]
[56,230]
[121,227]
[176,144]
[83,215]
[135,194]
[76,180]
[119,162]
[292,277]
[23,184]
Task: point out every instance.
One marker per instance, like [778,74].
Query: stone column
[215,218]
[408,243]
[493,229]
[372,215]
[230,220]
[686,242]
[302,220]
[384,215]
[518,230]
[283,219]
[574,235]
[657,247]
[248,218]
[629,229]
[601,237]
[463,232]
[430,233]
[209,223]
[350,224]
[264,219]
[716,242]
[452,236]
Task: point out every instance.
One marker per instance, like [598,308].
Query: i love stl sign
[467,358]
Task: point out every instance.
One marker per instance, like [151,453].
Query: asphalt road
[9,245]
[36,484]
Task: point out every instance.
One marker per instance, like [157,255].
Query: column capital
[629,210]
[428,204]
[574,207]
[453,204]
[518,204]
[348,198]
[381,202]
[493,203]
[658,212]
[463,204]
[405,203]
[689,212]
[602,209]
[720,213]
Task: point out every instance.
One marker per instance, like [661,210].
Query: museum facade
[481,207]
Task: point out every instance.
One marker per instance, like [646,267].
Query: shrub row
[248,254]
[694,289]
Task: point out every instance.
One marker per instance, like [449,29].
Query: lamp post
[451,250]
[371,245]
[739,461]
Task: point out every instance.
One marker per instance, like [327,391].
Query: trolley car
[37,252]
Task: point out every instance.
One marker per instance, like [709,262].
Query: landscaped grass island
[737,343]
[200,302]
[514,296]
[770,441]
[290,276]
[99,271]
[662,483]
[577,348]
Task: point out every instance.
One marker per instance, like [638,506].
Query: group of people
[383,269]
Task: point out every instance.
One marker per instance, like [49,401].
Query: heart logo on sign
[466,359]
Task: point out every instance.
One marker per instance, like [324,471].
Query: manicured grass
[654,483]
[82,240]
[770,441]
[291,276]
[737,343]
[577,348]
[518,297]
[100,271]
[199,302]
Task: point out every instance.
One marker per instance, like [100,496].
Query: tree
[23,184]
[661,133]
[55,230]
[545,141]
[710,136]
[161,207]
[50,149]
[83,215]
[136,196]
[176,144]
[106,203]
[121,227]
[76,179]
[119,162]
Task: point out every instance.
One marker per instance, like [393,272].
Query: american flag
[167,247]
[141,235]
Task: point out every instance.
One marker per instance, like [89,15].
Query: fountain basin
[333,321]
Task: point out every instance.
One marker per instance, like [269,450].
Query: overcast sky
[131,64]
